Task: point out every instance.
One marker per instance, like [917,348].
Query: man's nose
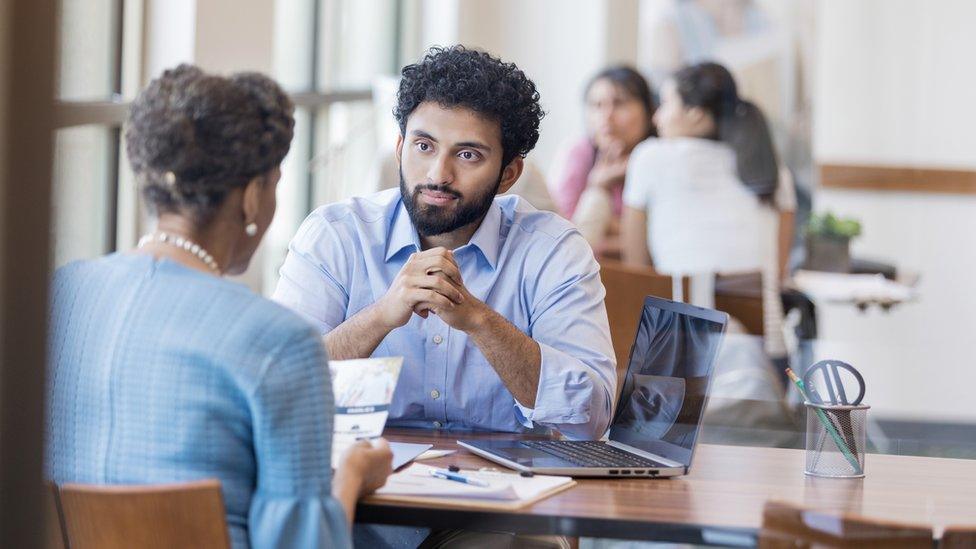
[441,172]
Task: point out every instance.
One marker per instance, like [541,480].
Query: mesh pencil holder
[836,438]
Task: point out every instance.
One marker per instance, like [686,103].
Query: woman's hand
[369,463]
[363,468]
[610,167]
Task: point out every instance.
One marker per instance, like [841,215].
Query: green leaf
[830,226]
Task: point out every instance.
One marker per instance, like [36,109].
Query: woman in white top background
[707,195]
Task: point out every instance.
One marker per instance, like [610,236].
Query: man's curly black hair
[462,77]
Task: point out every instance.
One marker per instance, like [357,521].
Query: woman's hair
[462,77]
[739,123]
[192,137]
[628,80]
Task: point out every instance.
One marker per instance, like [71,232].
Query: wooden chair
[53,534]
[160,516]
[958,537]
[626,288]
[740,295]
[786,525]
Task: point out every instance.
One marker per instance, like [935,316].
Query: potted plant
[828,242]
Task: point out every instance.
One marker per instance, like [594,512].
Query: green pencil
[826,423]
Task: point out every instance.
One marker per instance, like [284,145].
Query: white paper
[434,454]
[417,481]
[363,390]
[404,452]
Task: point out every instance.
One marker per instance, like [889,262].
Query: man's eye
[423,147]
[468,155]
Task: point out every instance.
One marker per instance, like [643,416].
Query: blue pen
[447,475]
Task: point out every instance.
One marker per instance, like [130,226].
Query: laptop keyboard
[591,453]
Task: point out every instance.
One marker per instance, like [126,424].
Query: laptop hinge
[647,455]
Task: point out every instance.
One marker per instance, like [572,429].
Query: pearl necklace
[185,244]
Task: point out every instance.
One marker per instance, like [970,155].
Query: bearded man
[496,307]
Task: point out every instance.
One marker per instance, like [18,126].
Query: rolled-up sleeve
[569,322]
[309,279]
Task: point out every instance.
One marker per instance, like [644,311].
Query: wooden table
[719,503]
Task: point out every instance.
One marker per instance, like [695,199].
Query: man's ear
[511,174]
[399,148]
[251,199]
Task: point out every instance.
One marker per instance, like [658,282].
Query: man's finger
[424,299]
[434,264]
[439,251]
[438,282]
[444,286]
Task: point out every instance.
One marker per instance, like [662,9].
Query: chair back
[626,288]
[53,534]
[160,516]
[958,537]
[786,525]
[741,296]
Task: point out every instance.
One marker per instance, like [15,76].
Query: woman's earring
[251,229]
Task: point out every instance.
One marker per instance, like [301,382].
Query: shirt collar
[487,239]
[488,236]
[402,233]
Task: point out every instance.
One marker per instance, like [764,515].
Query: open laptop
[659,412]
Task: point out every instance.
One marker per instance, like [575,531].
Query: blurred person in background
[768,46]
[705,196]
[589,182]
[163,371]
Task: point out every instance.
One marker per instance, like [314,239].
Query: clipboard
[547,486]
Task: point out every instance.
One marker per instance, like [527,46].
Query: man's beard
[430,220]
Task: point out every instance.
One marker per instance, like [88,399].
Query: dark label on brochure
[351,410]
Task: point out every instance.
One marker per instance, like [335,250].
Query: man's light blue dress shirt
[162,374]
[530,266]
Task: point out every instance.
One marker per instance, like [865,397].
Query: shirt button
[435,394]
[438,339]
[438,425]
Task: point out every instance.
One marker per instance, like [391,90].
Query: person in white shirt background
[700,198]
[703,198]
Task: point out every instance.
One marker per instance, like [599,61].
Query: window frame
[110,113]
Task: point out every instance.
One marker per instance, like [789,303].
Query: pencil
[827,424]
[848,433]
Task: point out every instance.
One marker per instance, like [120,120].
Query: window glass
[82,197]
[88,55]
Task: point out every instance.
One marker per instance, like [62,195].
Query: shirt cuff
[564,395]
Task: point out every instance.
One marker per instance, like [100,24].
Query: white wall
[894,87]
[559,44]
[234,35]
[895,84]
[170,35]
[221,36]
[918,358]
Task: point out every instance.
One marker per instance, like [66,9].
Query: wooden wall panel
[903,179]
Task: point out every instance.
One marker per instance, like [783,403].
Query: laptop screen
[667,381]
